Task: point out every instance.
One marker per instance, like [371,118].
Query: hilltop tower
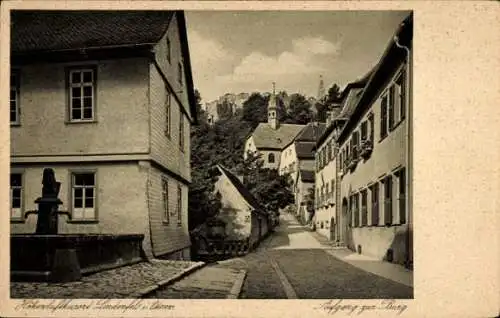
[321,88]
[272,109]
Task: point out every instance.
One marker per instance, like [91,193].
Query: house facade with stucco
[327,185]
[244,218]
[110,112]
[375,159]
[297,160]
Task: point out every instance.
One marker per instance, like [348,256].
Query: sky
[246,51]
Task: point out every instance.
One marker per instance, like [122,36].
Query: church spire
[272,109]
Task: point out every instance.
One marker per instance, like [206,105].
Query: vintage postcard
[247,159]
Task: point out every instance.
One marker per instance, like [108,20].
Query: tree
[221,144]
[300,110]
[201,114]
[224,143]
[327,102]
[271,189]
[255,109]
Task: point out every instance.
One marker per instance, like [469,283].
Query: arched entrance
[346,217]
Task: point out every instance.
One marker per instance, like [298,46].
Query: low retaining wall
[66,257]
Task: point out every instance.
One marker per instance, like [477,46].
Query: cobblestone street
[307,269]
[123,282]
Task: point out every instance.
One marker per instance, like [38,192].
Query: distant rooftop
[265,136]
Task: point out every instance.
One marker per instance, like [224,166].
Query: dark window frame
[179,205]
[70,70]
[73,174]
[21,190]
[375,204]
[269,156]
[388,198]
[165,200]
[15,85]
[383,117]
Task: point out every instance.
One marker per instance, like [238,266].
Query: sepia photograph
[222,154]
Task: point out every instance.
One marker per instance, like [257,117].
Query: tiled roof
[351,102]
[64,30]
[311,132]
[264,136]
[247,195]
[306,176]
[304,149]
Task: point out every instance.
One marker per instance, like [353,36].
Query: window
[168,103]
[364,208]
[181,131]
[164,192]
[402,195]
[81,99]
[364,130]
[83,192]
[16,196]
[179,74]
[388,200]
[392,98]
[383,118]
[401,84]
[340,161]
[179,204]
[375,199]
[169,51]
[355,209]
[355,143]
[15,110]
[270,158]
[372,126]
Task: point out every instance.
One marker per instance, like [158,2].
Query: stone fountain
[49,256]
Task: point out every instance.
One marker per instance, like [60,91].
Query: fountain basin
[66,257]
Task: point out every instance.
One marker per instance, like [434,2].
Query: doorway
[346,217]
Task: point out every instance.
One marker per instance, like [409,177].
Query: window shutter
[383,117]
[391,106]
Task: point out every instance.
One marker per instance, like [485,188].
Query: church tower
[272,110]
[321,89]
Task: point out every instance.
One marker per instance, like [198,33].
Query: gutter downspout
[409,148]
